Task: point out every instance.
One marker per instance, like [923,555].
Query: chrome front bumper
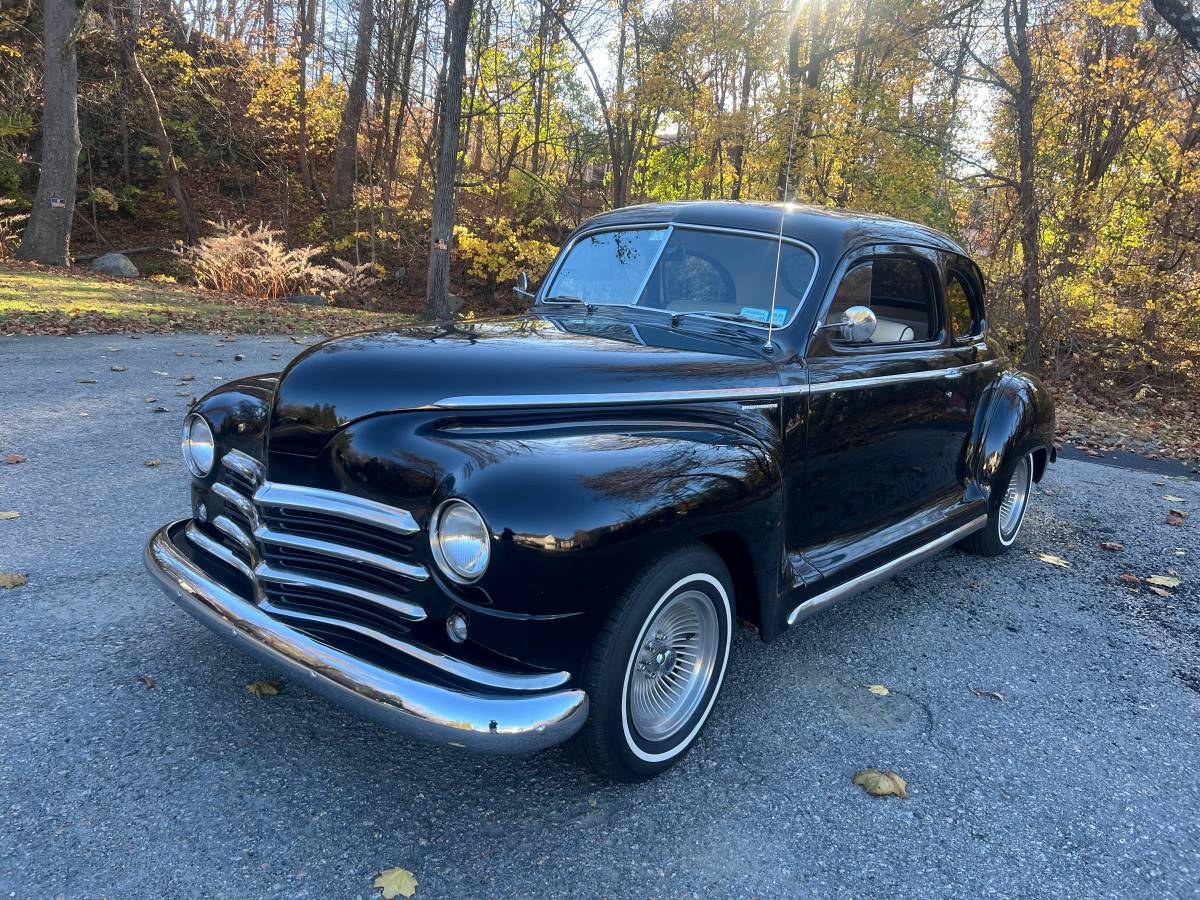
[427,712]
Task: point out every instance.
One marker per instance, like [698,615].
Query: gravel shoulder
[1080,782]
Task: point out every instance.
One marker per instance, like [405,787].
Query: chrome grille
[335,566]
[313,554]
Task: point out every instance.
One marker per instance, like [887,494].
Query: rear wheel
[656,667]
[1006,516]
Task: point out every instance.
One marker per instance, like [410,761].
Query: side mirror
[857,325]
[522,286]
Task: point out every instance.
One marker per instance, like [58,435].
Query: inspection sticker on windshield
[758,314]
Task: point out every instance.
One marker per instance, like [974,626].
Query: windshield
[686,270]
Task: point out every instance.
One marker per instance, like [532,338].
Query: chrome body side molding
[868,579]
[770,392]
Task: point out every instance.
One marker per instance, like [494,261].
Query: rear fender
[1016,416]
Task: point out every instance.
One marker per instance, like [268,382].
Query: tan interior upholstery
[889,332]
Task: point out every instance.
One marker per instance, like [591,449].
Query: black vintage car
[505,534]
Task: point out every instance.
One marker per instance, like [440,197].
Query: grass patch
[40,300]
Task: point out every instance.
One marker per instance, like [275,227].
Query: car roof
[830,230]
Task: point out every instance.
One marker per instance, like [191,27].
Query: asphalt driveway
[1081,781]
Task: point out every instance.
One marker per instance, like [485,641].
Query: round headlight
[460,543]
[198,446]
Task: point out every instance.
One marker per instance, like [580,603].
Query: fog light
[456,627]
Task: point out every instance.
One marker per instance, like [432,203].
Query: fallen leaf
[119,368]
[159,409]
[878,690]
[1130,578]
[262,689]
[188,377]
[146,680]
[1171,498]
[238,357]
[396,883]
[11,580]
[1112,545]
[9,514]
[881,784]
[1159,591]
[991,695]
[14,459]
[592,800]
[85,380]
[1169,581]
[1054,560]
[1175,520]
[151,463]
[1182,513]
[157,372]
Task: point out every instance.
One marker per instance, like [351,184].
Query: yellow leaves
[1114,12]
[9,514]
[261,689]
[1167,581]
[878,690]
[396,882]
[881,784]
[1053,560]
[508,250]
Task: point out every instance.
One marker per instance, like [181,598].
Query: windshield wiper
[676,318]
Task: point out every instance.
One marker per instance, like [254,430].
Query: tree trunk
[47,237]
[124,25]
[1027,203]
[341,191]
[304,13]
[269,29]
[1181,18]
[442,227]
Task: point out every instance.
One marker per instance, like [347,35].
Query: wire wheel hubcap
[673,665]
[1012,507]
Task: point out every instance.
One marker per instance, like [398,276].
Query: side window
[898,290]
[962,305]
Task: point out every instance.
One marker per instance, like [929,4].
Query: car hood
[426,367]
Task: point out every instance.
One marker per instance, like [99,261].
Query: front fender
[1015,416]
[575,507]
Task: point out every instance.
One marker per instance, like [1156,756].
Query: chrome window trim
[882,573]
[411,611]
[359,509]
[685,226]
[936,342]
[265,535]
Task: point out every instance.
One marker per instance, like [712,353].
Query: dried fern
[252,260]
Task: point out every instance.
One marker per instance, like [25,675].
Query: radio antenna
[787,182]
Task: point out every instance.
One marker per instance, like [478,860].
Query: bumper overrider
[434,713]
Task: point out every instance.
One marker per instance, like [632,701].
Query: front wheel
[1006,517]
[656,666]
